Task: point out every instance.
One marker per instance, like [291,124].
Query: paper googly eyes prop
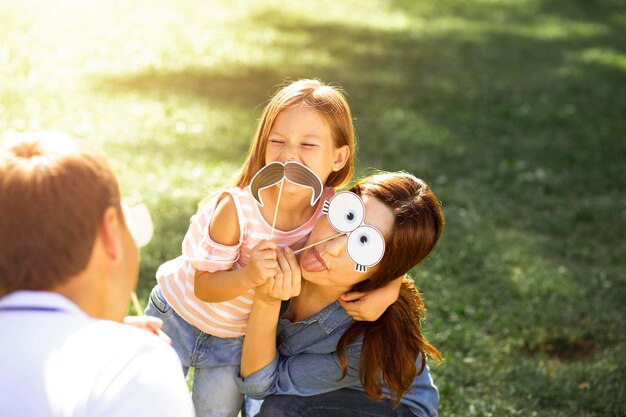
[365,244]
[345,211]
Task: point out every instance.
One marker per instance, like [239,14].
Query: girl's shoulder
[230,198]
[224,227]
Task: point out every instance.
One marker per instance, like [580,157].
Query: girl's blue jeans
[215,360]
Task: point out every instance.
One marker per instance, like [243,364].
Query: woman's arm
[259,347]
[313,374]
[302,374]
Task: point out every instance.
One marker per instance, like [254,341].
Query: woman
[328,364]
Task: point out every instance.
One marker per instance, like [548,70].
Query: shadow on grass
[244,87]
[243,90]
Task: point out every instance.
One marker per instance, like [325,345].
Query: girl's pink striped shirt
[176,277]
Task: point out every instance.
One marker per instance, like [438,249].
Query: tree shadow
[234,87]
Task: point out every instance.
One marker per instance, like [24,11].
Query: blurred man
[68,263]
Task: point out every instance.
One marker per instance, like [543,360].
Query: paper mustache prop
[276,172]
[365,244]
[292,171]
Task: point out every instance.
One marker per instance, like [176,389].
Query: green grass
[513,110]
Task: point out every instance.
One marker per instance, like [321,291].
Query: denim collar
[329,318]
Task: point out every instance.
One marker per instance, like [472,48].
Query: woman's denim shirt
[307,363]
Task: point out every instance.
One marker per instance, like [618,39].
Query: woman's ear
[111,233]
[341,157]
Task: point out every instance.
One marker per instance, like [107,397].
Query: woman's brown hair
[331,106]
[417,227]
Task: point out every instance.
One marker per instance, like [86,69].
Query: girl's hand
[369,306]
[286,283]
[263,263]
[149,324]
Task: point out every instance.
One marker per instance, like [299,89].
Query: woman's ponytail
[391,346]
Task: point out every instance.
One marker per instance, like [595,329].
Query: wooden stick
[280,192]
[136,304]
[317,243]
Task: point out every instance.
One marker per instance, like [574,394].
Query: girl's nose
[288,154]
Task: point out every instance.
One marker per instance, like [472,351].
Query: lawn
[513,110]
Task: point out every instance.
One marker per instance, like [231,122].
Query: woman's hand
[369,306]
[287,281]
[149,324]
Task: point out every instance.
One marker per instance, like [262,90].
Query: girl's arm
[214,287]
[225,285]
[369,306]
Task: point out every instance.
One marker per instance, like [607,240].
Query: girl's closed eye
[309,145]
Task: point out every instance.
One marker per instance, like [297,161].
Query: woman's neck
[312,299]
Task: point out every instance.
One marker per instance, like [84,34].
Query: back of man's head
[53,193]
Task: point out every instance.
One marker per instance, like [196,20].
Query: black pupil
[350,216]
[363,239]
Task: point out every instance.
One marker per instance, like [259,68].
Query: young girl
[204,296]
